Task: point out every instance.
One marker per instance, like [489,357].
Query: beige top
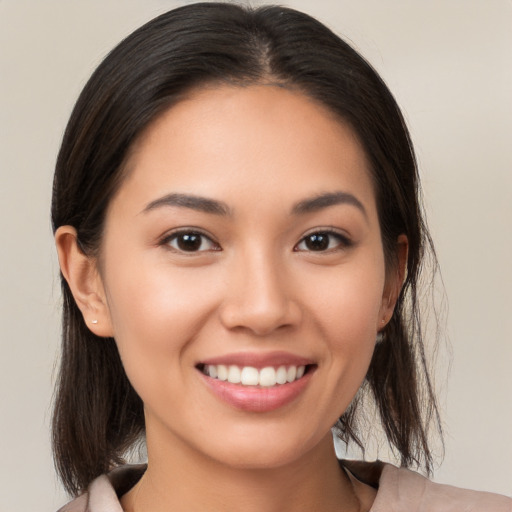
[399,490]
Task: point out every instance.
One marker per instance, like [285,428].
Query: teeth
[291,374]
[281,375]
[267,377]
[234,374]
[222,372]
[249,376]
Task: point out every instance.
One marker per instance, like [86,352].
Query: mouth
[257,382]
[250,376]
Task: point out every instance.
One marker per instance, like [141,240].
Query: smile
[266,377]
[257,382]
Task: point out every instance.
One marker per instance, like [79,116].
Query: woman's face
[245,244]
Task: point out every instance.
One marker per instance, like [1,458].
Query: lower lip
[257,399]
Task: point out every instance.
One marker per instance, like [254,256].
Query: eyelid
[189,230]
[344,240]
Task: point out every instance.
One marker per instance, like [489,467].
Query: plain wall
[449,65]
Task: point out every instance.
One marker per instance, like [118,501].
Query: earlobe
[394,282]
[81,273]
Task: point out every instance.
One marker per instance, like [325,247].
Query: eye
[322,241]
[190,241]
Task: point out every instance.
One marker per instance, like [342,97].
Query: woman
[237,221]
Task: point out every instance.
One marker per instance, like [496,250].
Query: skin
[255,286]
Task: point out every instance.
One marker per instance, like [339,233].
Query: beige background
[448,63]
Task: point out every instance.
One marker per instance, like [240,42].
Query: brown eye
[317,242]
[322,241]
[191,241]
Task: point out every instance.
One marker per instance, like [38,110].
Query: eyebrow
[198,203]
[325,200]
[206,205]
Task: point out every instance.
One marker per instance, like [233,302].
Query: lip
[259,360]
[255,398]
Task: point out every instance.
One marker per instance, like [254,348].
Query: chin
[256,458]
[266,450]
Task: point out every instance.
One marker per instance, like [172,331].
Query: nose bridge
[258,295]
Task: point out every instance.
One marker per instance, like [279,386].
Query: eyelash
[342,241]
[167,241]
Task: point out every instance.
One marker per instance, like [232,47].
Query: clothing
[399,490]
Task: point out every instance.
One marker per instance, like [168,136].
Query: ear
[84,280]
[394,282]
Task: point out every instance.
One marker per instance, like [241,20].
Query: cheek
[156,313]
[151,296]
[346,311]
[349,300]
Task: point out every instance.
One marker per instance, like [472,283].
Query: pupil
[190,242]
[317,242]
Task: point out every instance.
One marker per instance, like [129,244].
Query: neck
[185,480]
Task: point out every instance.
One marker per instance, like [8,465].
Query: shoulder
[104,492]
[412,491]
[403,490]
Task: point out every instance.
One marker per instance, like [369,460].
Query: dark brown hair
[97,414]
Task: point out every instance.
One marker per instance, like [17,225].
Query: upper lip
[258,359]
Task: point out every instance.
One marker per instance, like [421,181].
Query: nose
[259,296]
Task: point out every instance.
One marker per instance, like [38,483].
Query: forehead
[227,139]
